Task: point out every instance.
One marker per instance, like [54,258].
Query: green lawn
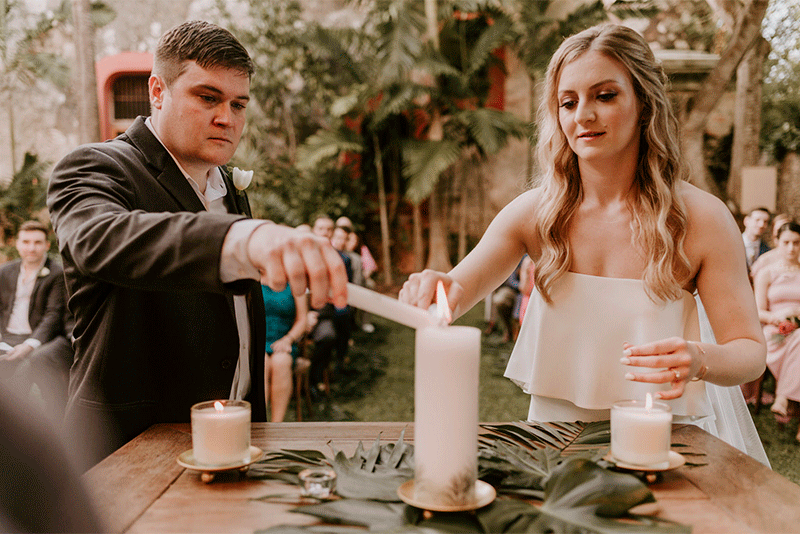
[378,385]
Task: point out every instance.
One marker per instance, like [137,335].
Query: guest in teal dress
[286,324]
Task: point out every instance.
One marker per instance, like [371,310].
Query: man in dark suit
[32,307]
[163,267]
[756,223]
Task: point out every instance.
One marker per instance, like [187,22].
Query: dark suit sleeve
[51,303]
[118,220]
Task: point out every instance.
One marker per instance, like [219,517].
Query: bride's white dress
[567,357]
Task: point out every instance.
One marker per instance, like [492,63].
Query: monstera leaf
[580,496]
[515,458]
[556,463]
[373,473]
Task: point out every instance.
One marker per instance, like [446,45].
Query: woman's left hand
[284,344]
[680,360]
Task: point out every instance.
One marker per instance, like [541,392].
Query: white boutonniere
[44,272]
[241,179]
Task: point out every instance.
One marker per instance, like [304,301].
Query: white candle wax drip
[221,432]
[446,414]
[641,432]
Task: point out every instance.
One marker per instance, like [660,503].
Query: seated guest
[504,302]
[332,325]
[771,255]
[777,290]
[360,255]
[32,309]
[755,223]
[751,390]
[286,324]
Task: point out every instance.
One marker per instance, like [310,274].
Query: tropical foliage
[549,462]
[781,110]
[412,108]
[24,60]
[292,92]
[23,199]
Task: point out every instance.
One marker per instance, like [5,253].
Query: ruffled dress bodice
[567,355]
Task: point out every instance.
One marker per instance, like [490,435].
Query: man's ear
[156,88]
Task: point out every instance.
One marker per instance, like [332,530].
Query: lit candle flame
[218,406]
[442,307]
[648,402]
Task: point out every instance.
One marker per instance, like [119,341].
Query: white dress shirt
[18,320]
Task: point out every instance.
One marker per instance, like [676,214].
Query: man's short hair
[202,42]
[760,208]
[34,226]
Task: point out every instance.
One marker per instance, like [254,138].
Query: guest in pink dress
[777,289]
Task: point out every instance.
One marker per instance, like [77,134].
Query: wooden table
[141,488]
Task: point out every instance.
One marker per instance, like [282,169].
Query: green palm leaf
[490,40]
[399,43]
[516,458]
[328,41]
[491,128]
[326,144]
[396,100]
[424,162]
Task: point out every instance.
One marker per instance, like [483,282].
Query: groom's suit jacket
[46,308]
[155,330]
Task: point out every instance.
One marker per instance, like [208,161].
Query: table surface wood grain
[141,487]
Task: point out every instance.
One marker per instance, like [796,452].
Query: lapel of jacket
[37,283]
[168,173]
[10,282]
[235,200]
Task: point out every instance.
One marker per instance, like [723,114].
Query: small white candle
[641,432]
[384,306]
[446,414]
[221,432]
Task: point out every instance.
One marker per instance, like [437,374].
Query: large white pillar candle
[221,432]
[446,414]
[641,432]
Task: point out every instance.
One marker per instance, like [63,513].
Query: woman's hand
[420,289]
[680,360]
[284,344]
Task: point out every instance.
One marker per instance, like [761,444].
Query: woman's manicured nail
[625,360]
[629,376]
[626,352]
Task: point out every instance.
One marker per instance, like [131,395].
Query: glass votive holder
[318,482]
[221,433]
[641,433]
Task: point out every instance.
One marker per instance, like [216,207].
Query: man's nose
[222,115]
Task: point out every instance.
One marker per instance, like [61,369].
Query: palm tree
[409,95]
[23,60]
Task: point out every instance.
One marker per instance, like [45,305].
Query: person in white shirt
[32,313]
[755,223]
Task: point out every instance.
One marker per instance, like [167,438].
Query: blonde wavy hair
[659,216]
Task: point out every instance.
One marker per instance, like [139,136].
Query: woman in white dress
[621,242]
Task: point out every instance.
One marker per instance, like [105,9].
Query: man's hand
[284,255]
[20,351]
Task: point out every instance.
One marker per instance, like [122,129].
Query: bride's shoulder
[704,209]
[529,199]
